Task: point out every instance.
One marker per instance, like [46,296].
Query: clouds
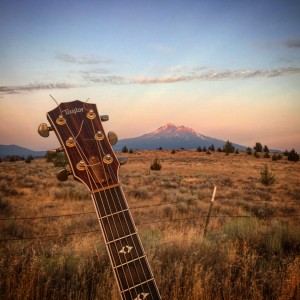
[82,60]
[100,76]
[34,87]
[293,44]
[193,75]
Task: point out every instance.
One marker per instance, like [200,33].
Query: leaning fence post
[210,209]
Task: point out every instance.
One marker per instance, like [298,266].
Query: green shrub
[266,177]
[156,165]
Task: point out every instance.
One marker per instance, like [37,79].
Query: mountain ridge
[171,136]
[15,150]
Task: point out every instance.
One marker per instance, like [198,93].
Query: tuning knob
[122,160]
[113,138]
[53,151]
[104,118]
[44,129]
[63,174]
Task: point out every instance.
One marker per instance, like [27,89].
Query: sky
[229,69]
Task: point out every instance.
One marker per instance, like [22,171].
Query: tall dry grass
[251,251]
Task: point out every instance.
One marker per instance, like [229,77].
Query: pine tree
[293,155]
[228,147]
[125,149]
[258,147]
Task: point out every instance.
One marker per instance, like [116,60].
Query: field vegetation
[51,245]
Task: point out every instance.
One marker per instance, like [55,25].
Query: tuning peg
[53,151]
[63,174]
[44,129]
[122,160]
[113,138]
[104,118]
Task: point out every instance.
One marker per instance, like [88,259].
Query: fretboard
[129,262]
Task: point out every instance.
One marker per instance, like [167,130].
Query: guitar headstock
[79,129]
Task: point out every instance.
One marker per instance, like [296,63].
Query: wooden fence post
[210,209]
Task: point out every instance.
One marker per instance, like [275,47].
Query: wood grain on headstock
[79,129]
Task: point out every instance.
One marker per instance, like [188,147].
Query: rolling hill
[11,150]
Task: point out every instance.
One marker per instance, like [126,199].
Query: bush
[249,151]
[293,155]
[266,177]
[60,160]
[173,151]
[28,159]
[156,165]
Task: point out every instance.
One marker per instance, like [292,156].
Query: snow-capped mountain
[171,136]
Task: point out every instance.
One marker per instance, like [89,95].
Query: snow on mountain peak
[173,130]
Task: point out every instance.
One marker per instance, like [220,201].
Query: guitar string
[109,224]
[110,191]
[93,132]
[115,180]
[112,174]
[54,100]
[82,155]
[109,204]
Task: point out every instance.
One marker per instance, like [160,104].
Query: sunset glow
[227,69]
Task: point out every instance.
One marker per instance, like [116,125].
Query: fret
[118,226]
[133,273]
[107,243]
[106,188]
[125,249]
[146,290]
[110,201]
[130,261]
[113,214]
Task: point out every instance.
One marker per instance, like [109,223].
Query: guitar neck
[129,262]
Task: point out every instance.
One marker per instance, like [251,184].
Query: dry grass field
[51,246]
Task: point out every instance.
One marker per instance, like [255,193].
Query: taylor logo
[73,111]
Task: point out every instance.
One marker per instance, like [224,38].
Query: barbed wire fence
[207,216]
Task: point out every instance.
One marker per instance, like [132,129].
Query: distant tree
[204,149]
[173,151]
[125,149]
[199,149]
[256,154]
[130,151]
[228,147]
[266,149]
[267,155]
[286,153]
[212,148]
[249,150]
[293,155]
[219,149]
[237,151]
[160,148]
[258,147]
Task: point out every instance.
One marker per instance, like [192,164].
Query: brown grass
[251,251]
